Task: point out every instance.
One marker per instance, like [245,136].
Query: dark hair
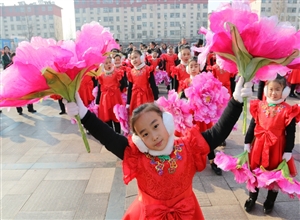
[6,47]
[199,43]
[193,59]
[147,107]
[117,39]
[137,52]
[12,55]
[152,42]
[118,55]
[182,47]
[280,80]
[130,43]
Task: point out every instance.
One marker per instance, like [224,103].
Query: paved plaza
[46,173]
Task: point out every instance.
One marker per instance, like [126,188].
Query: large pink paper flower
[93,107]
[207,97]
[225,162]
[180,110]
[121,113]
[278,179]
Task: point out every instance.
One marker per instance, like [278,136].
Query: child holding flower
[163,165]
[110,83]
[271,135]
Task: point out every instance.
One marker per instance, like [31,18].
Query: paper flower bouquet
[250,45]
[44,67]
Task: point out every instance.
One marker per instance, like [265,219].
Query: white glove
[287,156]
[241,92]
[73,108]
[127,106]
[247,147]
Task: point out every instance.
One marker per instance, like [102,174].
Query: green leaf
[227,56]
[242,55]
[35,95]
[75,84]
[58,82]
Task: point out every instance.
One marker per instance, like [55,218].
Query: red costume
[223,76]
[294,77]
[269,143]
[180,72]
[169,60]
[153,63]
[86,90]
[166,194]
[141,89]
[110,94]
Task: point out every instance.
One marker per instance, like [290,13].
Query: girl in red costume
[86,88]
[179,72]
[193,69]
[294,79]
[169,60]
[223,76]
[154,62]
[142,87]
[272,134]
[110,83]
[163,166]
[117,61]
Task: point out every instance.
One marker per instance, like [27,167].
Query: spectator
[6,57]
[182,42]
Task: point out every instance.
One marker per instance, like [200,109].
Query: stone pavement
[46,173]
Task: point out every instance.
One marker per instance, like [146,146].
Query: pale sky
[68,16]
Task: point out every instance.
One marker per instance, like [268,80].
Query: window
[139,35]
[117,18]
[263,1]
[172,6]
[138,18]
[172,24]
[43,8]
[151,24]
[52,34]
[45,35]
[19,27]
[151,33]
[76,10]
[144,24]
[50,8]
[165,6]
[263,9]
[205,6]
[50,17]
[204,15]
[132,36]
[269,9]
[144,33]
[294,9]
[166,33]
[151,15]
[77,28]
[11,18]
[172,15]
[105,19]
[132,9]
[177,15]
[51,26]
[45,25]
[183,15]
[29,9]
[18,18]
[132,18]
[139,9]
[139,27]
[177,6]
[144,15]
[144,6]
[117,9]
[77,20]
[111,19]
[118,27]
[12,27]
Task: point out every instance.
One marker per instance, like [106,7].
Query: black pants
[29,107]
[62,105]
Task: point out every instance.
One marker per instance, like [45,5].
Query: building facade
[23,21]
[145,20]
[286,10]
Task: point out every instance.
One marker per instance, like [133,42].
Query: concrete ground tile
[17,166]
[131,188]
[216,186]
[53,158]
[78,147]
[12,174]
[107,156]
[45,215]
[234,212]
[200,192]
[89,157]
[60,146]
[11,204]
[60,195]
[29,182]
[93,206]
[69,174]
[100,180]
[6,186]
[30,158]
[10,158]
[283,209]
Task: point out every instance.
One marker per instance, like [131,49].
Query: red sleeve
[198,147]
[293,112]
[129,76]
[254,108]
[130,162]
[174,71]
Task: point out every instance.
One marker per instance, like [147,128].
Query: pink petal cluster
[207,97]
[263,37]
[242,173]
[180,110]
[274,180]
[124,97]
[63,57]
[93,107]
[121,114]
[162,76]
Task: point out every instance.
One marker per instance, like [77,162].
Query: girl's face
[135,59]
[171,51]
[194,68]
[185,55]
[151,129]
[117,60]
[108,64]
[274,91]
[154,54]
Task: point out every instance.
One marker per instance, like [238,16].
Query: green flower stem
[86,143]
[245,116]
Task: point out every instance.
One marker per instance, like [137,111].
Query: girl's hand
[241,91]
[73,108]
[287,156]
[247,147]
